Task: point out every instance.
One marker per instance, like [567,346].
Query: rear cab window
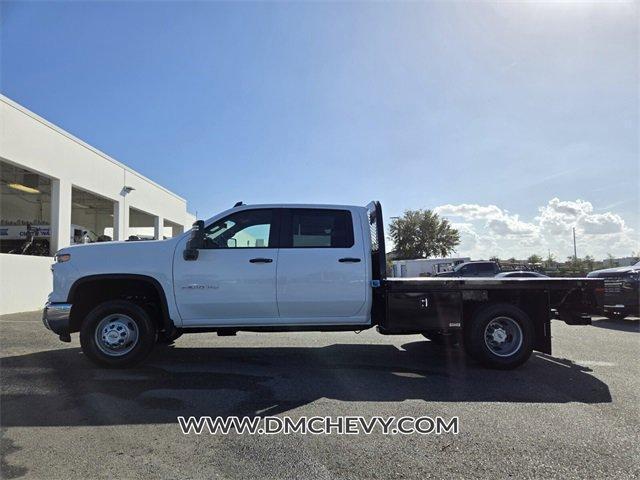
[317,228]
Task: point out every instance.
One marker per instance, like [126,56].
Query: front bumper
[621,309]
[55,317]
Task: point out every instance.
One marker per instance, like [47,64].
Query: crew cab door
[321,267]
[233,280]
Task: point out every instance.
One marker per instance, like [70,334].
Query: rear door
[321,266]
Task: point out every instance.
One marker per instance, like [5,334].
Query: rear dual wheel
[500,336]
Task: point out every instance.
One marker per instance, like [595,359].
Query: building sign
[19,232]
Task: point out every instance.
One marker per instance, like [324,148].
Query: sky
[516,121]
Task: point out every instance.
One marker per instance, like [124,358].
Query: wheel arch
[116,281]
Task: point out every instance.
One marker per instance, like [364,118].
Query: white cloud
[469,211]
[489,230]
[472,243]
[602,224]
[498,221]
[562,216]
[511,225]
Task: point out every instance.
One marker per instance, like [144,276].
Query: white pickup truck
[293,268]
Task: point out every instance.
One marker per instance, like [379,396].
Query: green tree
[574,261]
[589,261]
[534,259]
[422,234]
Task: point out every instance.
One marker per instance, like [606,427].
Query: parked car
[521,274]
[270,268]
[473,269]
[621,290]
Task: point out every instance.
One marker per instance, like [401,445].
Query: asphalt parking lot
[571,415]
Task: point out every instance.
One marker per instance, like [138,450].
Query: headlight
[63,257]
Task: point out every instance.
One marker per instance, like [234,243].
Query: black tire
[126,313]
[485,351]
[168,339]
[443,339]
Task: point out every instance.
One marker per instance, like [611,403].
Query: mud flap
[543,336]
[572,318]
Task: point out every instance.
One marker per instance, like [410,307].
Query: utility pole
[575,252]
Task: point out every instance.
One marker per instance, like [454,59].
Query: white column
[120,220]
[158,227]
[60,214]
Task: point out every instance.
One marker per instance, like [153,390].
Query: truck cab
[276,265]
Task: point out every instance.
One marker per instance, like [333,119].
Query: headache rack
[376,230]
[378,262]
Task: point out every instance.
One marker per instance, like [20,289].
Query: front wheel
[500,336]
[117,334]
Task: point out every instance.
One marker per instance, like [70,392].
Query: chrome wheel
[503,336]
[116,335]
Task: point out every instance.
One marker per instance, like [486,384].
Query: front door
[233,280]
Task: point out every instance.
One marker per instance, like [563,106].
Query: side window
[246,229]
[320,229]
[485,268]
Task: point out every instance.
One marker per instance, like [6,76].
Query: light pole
[575,252]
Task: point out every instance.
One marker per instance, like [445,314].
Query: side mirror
[196,241]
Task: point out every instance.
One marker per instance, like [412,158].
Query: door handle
[349,260]
[261,260]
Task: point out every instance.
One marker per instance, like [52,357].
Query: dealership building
[56,191]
